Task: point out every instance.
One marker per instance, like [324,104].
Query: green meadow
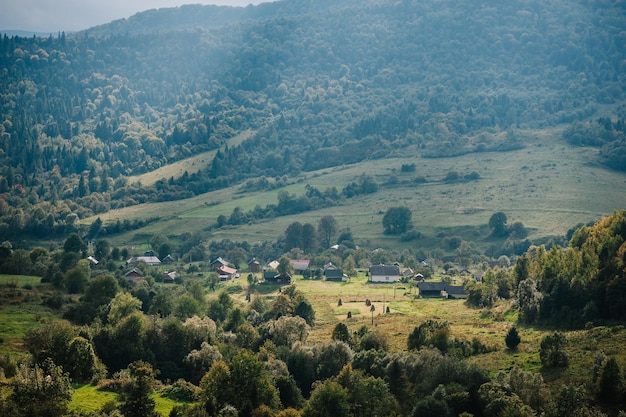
[547,185]
[21,309]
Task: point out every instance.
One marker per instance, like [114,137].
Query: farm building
[440,290]
[456,292]
[273,277]
[335,275]
[134,275]
[300,265]
[170,277]
[384,273]
[148,260]
[254,265]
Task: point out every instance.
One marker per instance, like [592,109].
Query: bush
[551,352]
[181,390]
[410,235]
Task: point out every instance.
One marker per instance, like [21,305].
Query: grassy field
[549,186]
[88,399]
[20,311]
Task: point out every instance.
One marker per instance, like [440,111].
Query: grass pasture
[88,398]
[20,311]
[548,185]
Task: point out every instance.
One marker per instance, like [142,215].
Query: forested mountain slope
[319,83]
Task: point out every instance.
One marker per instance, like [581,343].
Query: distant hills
[318,83]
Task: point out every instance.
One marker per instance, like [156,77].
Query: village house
[149,260]
[226,273]
[217,263]
[134,275]
[169,277]
[384,273]
[300,265]
[335,275]
[254,265]
[273,277]
[169,259]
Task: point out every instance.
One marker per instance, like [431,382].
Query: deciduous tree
[327,228]
[497,224]
[328,399]
[41,390]
[397,220]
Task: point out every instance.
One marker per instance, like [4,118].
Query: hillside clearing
[549,186]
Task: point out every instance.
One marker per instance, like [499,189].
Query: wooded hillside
[319,84]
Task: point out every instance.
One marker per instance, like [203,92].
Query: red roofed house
[226,272]
[300,265]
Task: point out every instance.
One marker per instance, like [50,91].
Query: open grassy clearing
[190,165]
[20,311]
[89,399]
[548,185]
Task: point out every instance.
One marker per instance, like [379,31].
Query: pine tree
[512,338]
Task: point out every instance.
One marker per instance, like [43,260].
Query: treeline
[608,134]
[288,204]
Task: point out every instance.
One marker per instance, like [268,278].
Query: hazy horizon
[43,16]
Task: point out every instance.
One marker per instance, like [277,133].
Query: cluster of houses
[269,274]
[149,258]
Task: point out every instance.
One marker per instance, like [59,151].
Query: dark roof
[169,258]
[134,271]
[384,270]
[432,286]
[333,274]
[455,289]
[269,274]
[219,260]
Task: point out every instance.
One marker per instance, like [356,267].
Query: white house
[384,273]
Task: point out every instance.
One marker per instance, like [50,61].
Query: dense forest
[319,84]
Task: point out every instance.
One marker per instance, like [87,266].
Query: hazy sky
[71,15]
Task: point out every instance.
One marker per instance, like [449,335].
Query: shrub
[551,352]
[181,390]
